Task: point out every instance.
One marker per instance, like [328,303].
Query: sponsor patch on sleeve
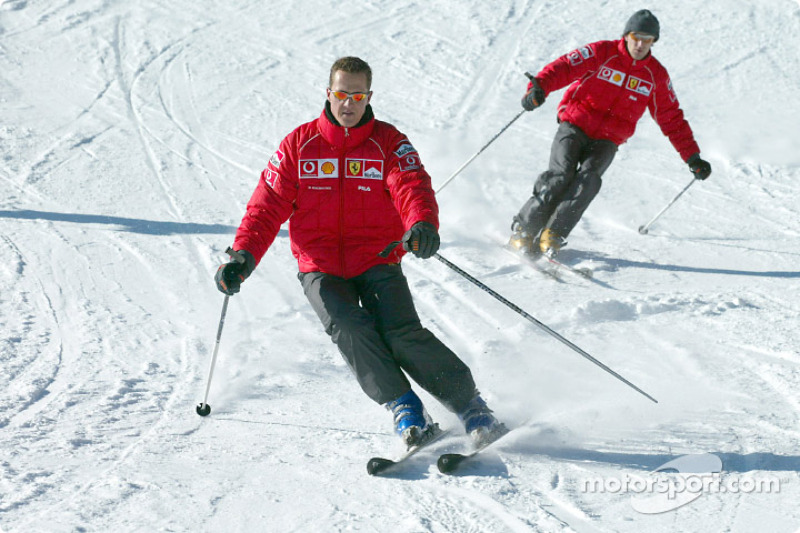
[576,57]
[404,148]
[410,162]
[270,176]
[276,159]
[672,96]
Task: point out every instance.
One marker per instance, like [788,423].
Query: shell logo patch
[319,168]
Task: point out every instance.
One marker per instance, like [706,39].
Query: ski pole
[468,161]
[643,229]
[203,409]
[386,251]
[542,326]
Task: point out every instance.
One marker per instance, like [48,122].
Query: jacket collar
[341,137]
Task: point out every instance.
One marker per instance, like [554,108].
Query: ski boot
[551,242]
[480,424]
[411,421]
[521,240]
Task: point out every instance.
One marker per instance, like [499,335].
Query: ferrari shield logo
[354,166]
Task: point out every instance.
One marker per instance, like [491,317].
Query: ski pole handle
[236,256]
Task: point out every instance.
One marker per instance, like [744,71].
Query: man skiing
[612,84]
[349,184]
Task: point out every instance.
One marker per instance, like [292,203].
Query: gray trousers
[563,192]
[372,320]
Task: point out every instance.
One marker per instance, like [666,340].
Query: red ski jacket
[610,92]
[349,193]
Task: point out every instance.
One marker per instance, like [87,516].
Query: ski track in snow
[132,137]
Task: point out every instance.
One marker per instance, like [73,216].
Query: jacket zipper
[341,202]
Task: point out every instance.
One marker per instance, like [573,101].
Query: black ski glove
[230,276]
[534,97]
[699,167]
[421,240]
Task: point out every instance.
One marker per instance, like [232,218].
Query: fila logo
[612,76]
[319,168]
[363,188]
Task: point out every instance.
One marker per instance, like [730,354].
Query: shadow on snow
[134,225]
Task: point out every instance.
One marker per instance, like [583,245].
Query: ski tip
[377,465]
[449,462]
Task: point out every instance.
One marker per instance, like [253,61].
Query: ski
[537,262]
[450,462]
[532,261]
[381,465]
[582,272]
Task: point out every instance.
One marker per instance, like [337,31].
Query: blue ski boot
[480,424]
[411,421]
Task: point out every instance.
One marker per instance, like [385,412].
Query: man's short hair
[352,65]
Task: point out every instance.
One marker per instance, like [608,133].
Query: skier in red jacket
[612,84]
[349,185]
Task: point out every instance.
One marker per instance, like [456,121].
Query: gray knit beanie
[642,21]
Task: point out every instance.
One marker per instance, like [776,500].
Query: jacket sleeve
[667,113]
[409,183]
[573,66]
[271,204]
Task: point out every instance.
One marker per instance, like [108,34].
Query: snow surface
[131,137]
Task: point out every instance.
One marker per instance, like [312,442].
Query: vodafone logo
[308,168]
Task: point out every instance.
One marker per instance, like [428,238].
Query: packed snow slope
[131,137]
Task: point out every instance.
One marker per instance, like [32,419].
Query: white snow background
[133,133]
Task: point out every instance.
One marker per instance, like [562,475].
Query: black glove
[421,240]
[534,97]
[699,167]
[230,276]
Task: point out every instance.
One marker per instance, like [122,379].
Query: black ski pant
[372,320]
[563,192]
